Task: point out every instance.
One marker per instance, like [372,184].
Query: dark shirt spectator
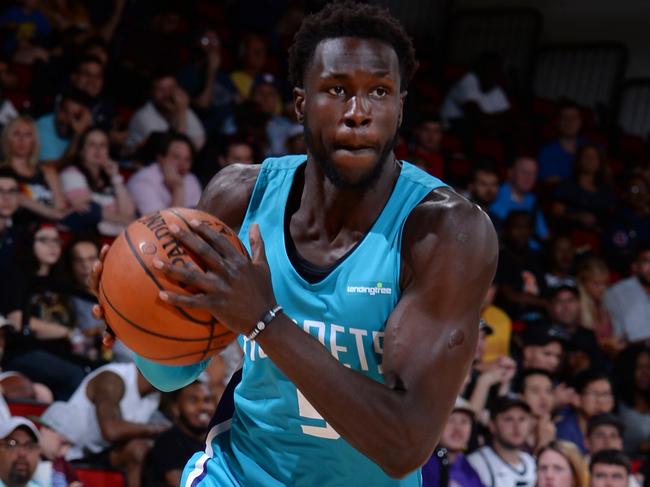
[560,262]
[88,76]
[426,146]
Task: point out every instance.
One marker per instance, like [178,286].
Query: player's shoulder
[228,193]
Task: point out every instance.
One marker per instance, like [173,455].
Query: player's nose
[357,112]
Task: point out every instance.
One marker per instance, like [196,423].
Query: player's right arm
[225,197]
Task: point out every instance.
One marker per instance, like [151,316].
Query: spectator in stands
[9,191]
[490,382]
[498,344]
[587,198]
[237,150]
[61,129]
[520,275]
[632,373]
[28,28]
[41,311]
[19,452]
[504,463]
[192,409]
[610,468]
[604,432]
[88,76]
[219,153]
[560,464]
[448,464]
[253,60]
[426,145]
[114,404]
[92,177]
[477,104]
[543,347]
[593,396]
[516,194]
[212,92]
[57,436]
[628,301]
[556,157]
[536,388]
[593,279]
[560,257]
[266,93]
[629,224]
[167,110]
[167,181]
[483,188]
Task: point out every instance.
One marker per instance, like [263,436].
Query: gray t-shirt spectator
[629,306]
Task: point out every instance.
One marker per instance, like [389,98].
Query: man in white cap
[19,452]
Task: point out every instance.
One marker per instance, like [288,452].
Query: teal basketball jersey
[275,436]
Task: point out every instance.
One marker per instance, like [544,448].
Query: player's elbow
[402,463]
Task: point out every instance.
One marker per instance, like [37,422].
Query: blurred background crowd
[110,109]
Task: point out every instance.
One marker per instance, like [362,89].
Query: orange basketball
[129,287]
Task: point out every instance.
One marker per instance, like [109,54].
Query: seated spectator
[167,110]
[560,256]
[587,198]
[593,396]
[9,191]
[61,129]
[217,154]
[448,464]
[564,311]
[427,146]
[477,104]
[28,29]
[57,436]
[593,279]
[167,181]
[40,309]
[560,464]
[543,347]
[536,388]
[192,409]
[610,468]
[504,463]
[18,387]
[483,188]
[212,92]
[520,275]
[19,452]
[630,223]
[266,93]
[114,405]
[628,301]
[92,177]
[516,194]
[632,373]
[88,77]
[556,157]
[604,432]
[253,56]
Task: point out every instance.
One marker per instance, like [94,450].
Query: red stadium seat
[99,477]
[26,408]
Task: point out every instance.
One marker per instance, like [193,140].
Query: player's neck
[336,208]
[508,455]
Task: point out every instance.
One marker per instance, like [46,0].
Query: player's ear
[299,103]
[402,99]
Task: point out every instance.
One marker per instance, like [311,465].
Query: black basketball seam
[155,281]
[147,331]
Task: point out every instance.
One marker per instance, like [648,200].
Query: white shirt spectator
[629,306]
[7,112]
[147,119]
[149,193]
[468,89]
[496,472]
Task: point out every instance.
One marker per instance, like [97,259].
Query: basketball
[129,287]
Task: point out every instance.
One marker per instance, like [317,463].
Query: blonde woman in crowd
[560,464]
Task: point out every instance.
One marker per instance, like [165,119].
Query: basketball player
[380,270]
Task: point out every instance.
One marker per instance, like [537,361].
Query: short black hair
[168,139]
[77,96]
[350,19]
[611,457]
[520,383]
[7,172]
[584,378]
[486,165]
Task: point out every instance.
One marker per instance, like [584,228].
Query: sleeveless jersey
[276,437]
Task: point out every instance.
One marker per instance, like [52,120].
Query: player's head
[350,65]
[510,422]
[194,406]
[609,468]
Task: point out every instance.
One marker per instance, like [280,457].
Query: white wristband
[264,322]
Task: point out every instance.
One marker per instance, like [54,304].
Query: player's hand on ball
[109,337]
[235,289]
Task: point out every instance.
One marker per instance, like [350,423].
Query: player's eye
[379,92]
[337,90]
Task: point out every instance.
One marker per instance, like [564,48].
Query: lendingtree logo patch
[370,288]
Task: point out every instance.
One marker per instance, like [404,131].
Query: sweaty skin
[352,103]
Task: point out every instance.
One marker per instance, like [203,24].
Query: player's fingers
[257,244]
[199,301]
[199,247]
[95,275]
[103,252]
[98,312]
[185,275]
[218,241]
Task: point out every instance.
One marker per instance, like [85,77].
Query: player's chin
[354,165]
